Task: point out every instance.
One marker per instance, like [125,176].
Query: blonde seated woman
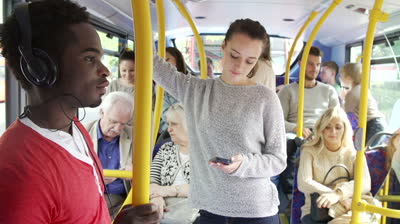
[331,145]
[170,172]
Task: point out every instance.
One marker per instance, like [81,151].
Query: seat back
[376,160]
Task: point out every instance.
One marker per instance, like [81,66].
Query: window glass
[382,50]
[384,86]
[355,52]
[280,48]
[111,62]
[131,45]
[108,42]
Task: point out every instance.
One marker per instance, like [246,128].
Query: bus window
[385,85]
[110,46]
[355,52]
[280,48]
[212,45]
[385,78]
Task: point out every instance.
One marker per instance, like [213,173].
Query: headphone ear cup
[41,71]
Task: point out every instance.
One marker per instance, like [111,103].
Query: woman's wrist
[339,193]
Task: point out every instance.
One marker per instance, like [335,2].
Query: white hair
[177,109]
[112,98]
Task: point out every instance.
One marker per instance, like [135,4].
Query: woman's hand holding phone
[227,168]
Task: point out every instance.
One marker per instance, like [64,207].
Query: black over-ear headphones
[36,65]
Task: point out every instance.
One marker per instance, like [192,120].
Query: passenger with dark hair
[210,67]
[232,117]
[329,72]
[175,58]
[126,67]
[51,173]
[318,97]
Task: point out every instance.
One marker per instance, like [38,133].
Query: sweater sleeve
[284,98]
[333,97]
[272,159]
[305,180]
[174,82]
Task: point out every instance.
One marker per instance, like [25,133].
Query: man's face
[327,74]
[114,120]
[313,67]
[82,74]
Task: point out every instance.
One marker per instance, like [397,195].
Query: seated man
[318,98]
[111,136]
[329,73]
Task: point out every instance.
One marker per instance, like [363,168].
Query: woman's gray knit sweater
[225,120]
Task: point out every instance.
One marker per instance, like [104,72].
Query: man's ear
[101,111]
[223,45]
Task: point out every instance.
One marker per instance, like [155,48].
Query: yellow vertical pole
[203,63]
[385,192]
[289,59]
[161,53]
[143,101]
[375,16]
[304,63]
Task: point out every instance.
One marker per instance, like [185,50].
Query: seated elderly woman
[169,175]
[331,145]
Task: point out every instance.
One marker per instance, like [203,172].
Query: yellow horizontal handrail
[118,173]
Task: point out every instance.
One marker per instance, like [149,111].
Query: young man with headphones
[50,173]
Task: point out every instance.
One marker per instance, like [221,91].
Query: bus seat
[376,161]
[298,201]
[353,120]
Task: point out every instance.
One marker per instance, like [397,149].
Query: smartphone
[221,160]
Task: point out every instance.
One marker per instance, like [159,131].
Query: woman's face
[177,128]
[333,133]
[171,59]
[240,56]
[127,71]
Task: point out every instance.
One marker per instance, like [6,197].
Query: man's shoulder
[90,125]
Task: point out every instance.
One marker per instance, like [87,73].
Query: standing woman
[232,117]
[127,72]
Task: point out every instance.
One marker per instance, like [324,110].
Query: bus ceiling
[348,22]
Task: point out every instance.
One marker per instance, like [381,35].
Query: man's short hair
[112,98]
[50,21]
[332,65]
[316,51]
